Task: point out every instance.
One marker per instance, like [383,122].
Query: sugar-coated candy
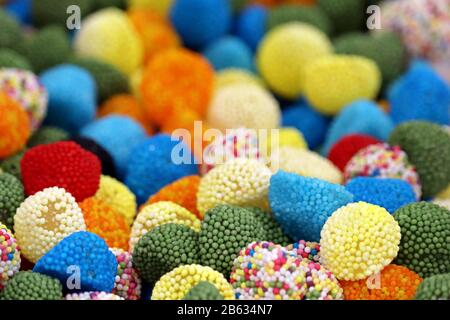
[359,240]
[104,132]
[128,282]
[251,24]
[164,248]
[282,68]
[204,290]
[72,97]
[109,35]
[229,52]
[302,205]
[434,288]
[224,232]
[423,248]
[428,148]
[159,213]
[106,222]
[305,250]
[391,194]
[25,88]
[199,22]
[241,181]
[159,159]
[117,195]
[383,161]
[392,283]
[9,256]
[362,117]
[95,271]
[11,196]
[44,219]
[178,282]
[62,164]
[93,295]
[14,126]
[272,231]
[27,285]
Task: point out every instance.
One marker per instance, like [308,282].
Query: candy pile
[224,149]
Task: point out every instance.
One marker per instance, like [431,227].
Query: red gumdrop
[61,164]
[346,147]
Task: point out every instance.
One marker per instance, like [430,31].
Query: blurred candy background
[355,185]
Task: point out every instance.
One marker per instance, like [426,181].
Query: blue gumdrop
[363,117]
[251,25]
[118,135]
[229,52]
[302,205]
[21,9]
[420,94]
[311,123]
[82,252]
[156,162]
[72,94]
[391,194]
[199,22]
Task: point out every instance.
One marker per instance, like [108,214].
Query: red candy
[344,149]
[61,164]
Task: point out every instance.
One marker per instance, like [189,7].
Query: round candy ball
[159,213]
[72,97]
[370,236]
[115,194]
[109,80]
[106,222]
[163,101]
[281,68]
[11,196]
[250,25]
[305,250]
[428,148]
[46,135]
[109,35]
[13,59]
[265,271]
[104,132]
[391,194]
[312,124]
[14,126]
[199,22]
[178,282]
[225,231]
[241,181]
[46,48]
[305,163]
[160,160]
[164,248]
[128,281]
[229,52]
[9,256]
[35,221]
[423,248]
[341,75]
[12,33]
[204,290]
[383,161]
[182,192]
[27,285]
[272,231]
[420,94]
[302,205]
[105,158]
[93,295]
[434,288]
[363,117]
[243,105]
[345,148]
[392,283]
[63,164]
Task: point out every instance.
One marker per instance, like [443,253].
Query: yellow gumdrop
[108,35]
[332,82]
[160,6]
[284,52]
[232,76]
